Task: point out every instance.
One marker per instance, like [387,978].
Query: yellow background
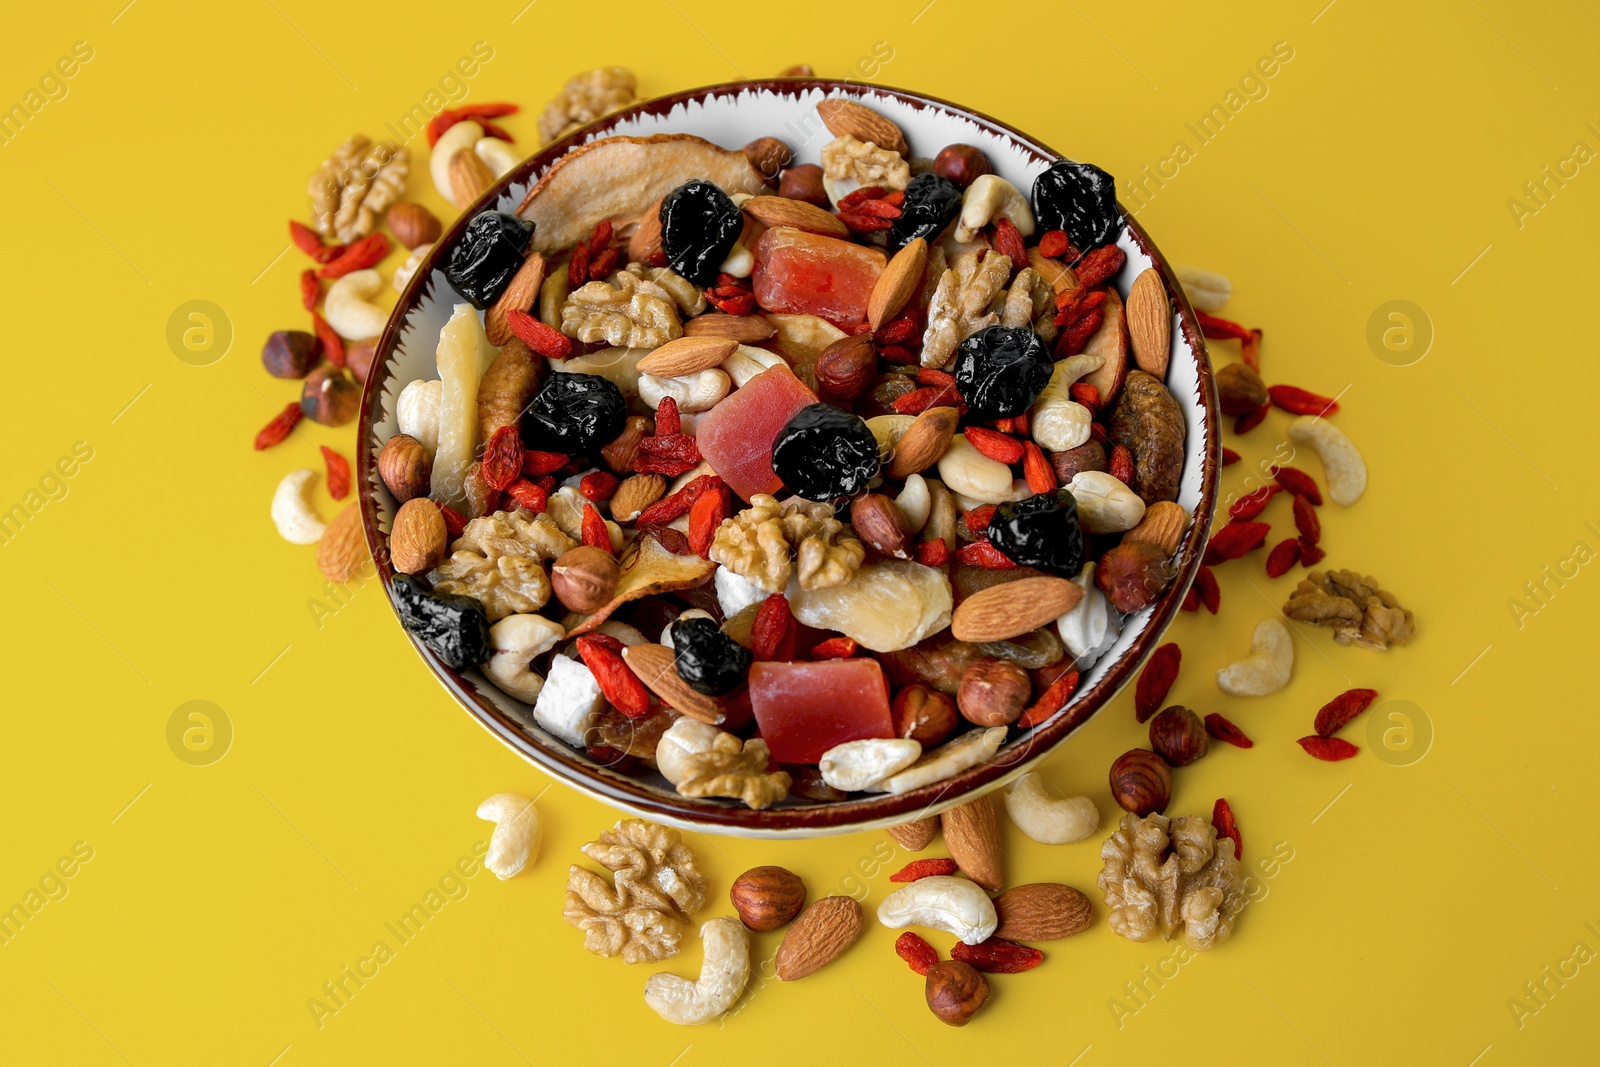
[1421,894]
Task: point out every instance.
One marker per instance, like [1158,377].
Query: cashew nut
[1268,666]
[942,902]
[859,765]
[1049,820]
[515,840]
[497,155]
[949,759]
[691,613]
[741,262]
[348,307]
[694,392]
[292,514]
[686,737]
[972,474]
[914,503]
[1060,422]
[746,362]
[416,411]
[517,640]
[405,271]
[1105,505]
[724,970]
[1341,459]
[1207,290]
[463,134]
[988,198]
[1087,630]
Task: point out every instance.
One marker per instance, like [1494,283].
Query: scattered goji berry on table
[1251,419]
[1329,749]
[1298,401]
[1229,457]
[1234,540]
[1223,821]
[367,252]
[997,956]
[310,289]
[1223,730]
[915,951]
[1050,701]
[543,340]
[617,682]
[282,424]
[487,110]
[1306,521]
[1298,482]
[502,458]
[1284,555]
[1191,601]
[1250,349]
[834,648]
[1337,713]
[1205,585]
[1155,681]
[1311,553]
[924,868]
[305,238]
[1253,503]
[1221,329]
[332,343]
[338,473]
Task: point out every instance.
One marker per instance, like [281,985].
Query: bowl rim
[618,790]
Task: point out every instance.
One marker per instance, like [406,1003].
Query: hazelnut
[584,578]
[1179,736]
[955,991]
[1141,782]
[878,522]
[923,714]
[291,354]
[767,897]
[961,163]
[405,467]
[413,224]
[846,368]
[804,182]
[1240,389]
[330,396]
[993,692]
[419,539]
[768,156]
[1132,575]
[1089,456]
[358,357]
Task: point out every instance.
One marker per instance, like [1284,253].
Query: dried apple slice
[647,568]
[620,178]
[1110,343]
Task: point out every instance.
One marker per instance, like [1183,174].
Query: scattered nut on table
[1268,666]
[943,902]
[292,513]
[1354,607]
[515,840]
[1341,459]
[640,913]
[724,970]
[1169,877]
[1047,819]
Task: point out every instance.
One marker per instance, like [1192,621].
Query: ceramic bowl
[733,115]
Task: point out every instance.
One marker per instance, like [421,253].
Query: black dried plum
[453,626]
[1079,198]
[1041,531]
[699,226]
[707,658]
[932,202]
[1000,371]
[574,413]
[825,454]
[491,250]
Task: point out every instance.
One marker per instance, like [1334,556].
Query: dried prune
[824,454]
[699,226]
[1079,198]
[931,203]
[1000,371]
[1041,531]
[453,626]
[574,413]
[707,658]
[491,251]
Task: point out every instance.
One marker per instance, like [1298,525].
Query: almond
[419,539]
[846,118]
[819,935]
[1150,323]
[519,295]
[656,667]
[470,177]
[775,211]
[687,355]
[634,494]
[915,836]
[746,329]
[924,441]
[1004,611]
[878,522]
[645,240]
[342,548]
[1061,277]
[972,834]
[1042,911]
[1163,525]
[413,224]
[898,281]
[622,452]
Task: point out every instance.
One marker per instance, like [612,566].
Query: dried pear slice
[618,178]
[887,606]
[464,353]
[647,568]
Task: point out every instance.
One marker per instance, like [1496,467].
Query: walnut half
[756,544]
[1169,876]
[963,303]
[355,185]
[585,98]
[1357,610]
[499,559]
[629,311]
[641,912]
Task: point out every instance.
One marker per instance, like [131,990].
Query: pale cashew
[1105,505]
[1341,459]
[463,134]
[693,392]
[292,514]
[497,155]
[914,503]
[988,198]
[942,902]
[1087,630]
[349,309]
[859,765]
[691,613]
[1049,820]
[404,273]
[950,758]
[1268,666]
[1207,290]
[1060,422]
[515,840]
[416,412]
[747,362]
[972,474]
[724,970]
[741,262]
[686,737]
[517,640]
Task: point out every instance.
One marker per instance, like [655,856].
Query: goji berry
[1252,504]
[1085,394]
[1223,730]
[1298,482]
[1054,243]
[897,354]
[997,446]
[741,304]
[834,648]
[595,532]
[454,521]
[578,265]
[1205,584]
[1052,700]
[861,196]
[1008,242]
[678,446]
[543,340]
[1120,464]
[1297,401]
[1037,469]
[1074,304]
[1075,336]
[1306,521]
[897,198]
[1191,600]
[860,223]
[502,458]
[919,400]
[924,868]
[1229,457]
[977,520]
[332,343]
[598,485]
[1311,553]
[604,263]
[1155,681]
[328,253]
[668,422]
[536,464]
[983,554]
[1221,329]
[1251,419]
[933,553]
[1284,555]
[310,289]
[440,123]
[1234,540]
[1098,264]
[305,238]
[664,465]
[1250,349]
[1223,822]
[705,515]
[282,424]
[900,330]
[934,376]
[664,510]
[1329,749]
[997,956]
[607,641]
[620,686]
[657,258]
[772,631]
[1097,432]
[338,473]
[529,497]
[1337,713]
[877,209]
[487,110]
[367,252]
[915,951]
[600,236]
